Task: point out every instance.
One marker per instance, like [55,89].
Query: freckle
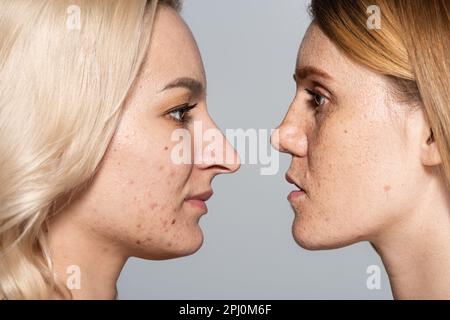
[173,221]
[149,239]
[138,241]
[166,148]
[139,226]
[161,168]
[387,188]
[169,244]
[165,223]
[130,182]
[172,173]
[345,131]
[153,205]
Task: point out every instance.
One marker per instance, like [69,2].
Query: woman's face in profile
[140,200]
[355,150]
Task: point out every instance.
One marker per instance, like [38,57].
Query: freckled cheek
[329,167]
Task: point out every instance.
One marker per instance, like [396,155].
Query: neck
[88,265]
[416,252]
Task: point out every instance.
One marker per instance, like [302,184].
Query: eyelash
[316,96]
[184,110]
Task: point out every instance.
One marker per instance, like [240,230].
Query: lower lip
[199,204]
[296,195]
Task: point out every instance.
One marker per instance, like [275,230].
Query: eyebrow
[195,86]
[304,72]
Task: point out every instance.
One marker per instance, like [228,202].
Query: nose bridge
[216,151]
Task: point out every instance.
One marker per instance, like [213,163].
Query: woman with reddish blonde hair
[369,135]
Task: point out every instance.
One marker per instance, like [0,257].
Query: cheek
[356,176]
[138,196]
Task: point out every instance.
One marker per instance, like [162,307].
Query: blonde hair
[410,48]
[62,92]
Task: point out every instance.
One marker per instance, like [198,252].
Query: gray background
[249,49]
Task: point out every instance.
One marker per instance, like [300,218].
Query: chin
[176,246]
[316,237]
[188,245]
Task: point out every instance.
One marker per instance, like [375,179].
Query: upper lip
[291,180]
[204,196]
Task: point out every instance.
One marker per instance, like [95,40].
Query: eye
[318,99]
[181,113]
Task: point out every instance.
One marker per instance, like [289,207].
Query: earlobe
[430,152]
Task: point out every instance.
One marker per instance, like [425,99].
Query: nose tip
[289,139]
[275,139]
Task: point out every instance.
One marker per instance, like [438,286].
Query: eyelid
[317,88]
[186,106]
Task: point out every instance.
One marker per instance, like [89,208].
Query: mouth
[296,193]
[198,201]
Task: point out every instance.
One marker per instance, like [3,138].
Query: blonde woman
[369,135]
[87,110]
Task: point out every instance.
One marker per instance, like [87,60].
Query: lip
[292,181]
[199,200]
[296,194]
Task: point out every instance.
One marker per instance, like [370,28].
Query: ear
[429,151]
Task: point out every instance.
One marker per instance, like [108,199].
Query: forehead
[319,51]
[173,52]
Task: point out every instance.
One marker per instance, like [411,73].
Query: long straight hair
[65,70]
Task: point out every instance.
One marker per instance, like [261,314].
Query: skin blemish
[161,168]
[139,226]
[166,148]
[387,188]
[169,244]
[138,241]
[345,131]
[173,221]
[153,205]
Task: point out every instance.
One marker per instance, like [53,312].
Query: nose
[213,151]
[290,137]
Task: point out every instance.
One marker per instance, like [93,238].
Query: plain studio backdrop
[249,48]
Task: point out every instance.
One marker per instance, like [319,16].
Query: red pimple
[153,205]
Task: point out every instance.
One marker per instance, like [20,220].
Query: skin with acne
[139,201]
